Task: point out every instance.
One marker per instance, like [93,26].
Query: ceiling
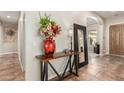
[91,21]
[9,17]
[105,15]
[109,14]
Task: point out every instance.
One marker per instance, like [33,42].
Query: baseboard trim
[54,75]
[116,55]
[1,54]
[8,53]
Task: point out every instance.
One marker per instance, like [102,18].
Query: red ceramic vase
[49,46]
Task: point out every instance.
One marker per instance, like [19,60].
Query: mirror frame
[77,27]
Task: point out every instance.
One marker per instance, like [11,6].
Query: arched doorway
[95,35]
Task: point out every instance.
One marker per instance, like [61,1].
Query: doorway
[93,36]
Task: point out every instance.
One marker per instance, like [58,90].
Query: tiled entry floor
[10,68]
[101,68]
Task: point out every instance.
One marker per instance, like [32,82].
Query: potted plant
[48,30]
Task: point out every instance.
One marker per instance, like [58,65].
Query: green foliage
[52,22]
[45,21]
[48,28]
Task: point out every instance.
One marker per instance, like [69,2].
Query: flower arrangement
[48,27]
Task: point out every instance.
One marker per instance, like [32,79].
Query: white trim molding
[8,53]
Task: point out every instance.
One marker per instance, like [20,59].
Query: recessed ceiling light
[8,16]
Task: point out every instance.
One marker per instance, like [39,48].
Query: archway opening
[93,32]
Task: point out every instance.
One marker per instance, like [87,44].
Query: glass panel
[81,45]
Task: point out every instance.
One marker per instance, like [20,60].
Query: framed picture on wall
[9,35]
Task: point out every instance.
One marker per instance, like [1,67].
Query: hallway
[101,68]
[10,68]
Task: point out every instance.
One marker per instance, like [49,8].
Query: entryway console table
[45,61]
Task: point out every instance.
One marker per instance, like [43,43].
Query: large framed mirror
[80,44]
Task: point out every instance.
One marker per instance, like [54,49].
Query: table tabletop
[56,55]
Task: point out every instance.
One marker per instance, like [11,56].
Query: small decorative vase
[49,46]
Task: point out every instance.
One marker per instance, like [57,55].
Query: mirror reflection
[81,45]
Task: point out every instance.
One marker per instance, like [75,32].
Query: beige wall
[33,40]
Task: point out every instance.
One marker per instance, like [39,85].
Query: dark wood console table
[73,66]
